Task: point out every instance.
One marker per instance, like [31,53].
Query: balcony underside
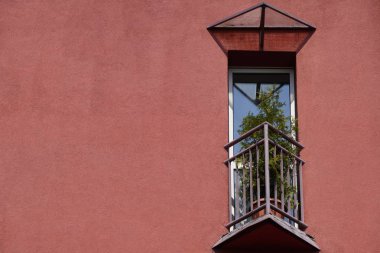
[267,233]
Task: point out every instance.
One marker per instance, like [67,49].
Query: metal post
[301,191]
[275,181]
[266,164]
[236,194]
[243,186]
[258,176]
[250,182]
[262,25]
[295,184]
[282,183]
[229,191]
[289,184]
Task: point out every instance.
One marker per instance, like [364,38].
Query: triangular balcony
[265,194]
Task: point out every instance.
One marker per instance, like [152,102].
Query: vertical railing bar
[250,181]
[296,189]
[243,186]
[301,191]
[282,181]
[275,178]
[229,191]
[288,182]
[266,166]
[258,176]
[237,211]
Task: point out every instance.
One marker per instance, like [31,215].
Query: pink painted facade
[114,114]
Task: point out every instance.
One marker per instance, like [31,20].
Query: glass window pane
[277,19]
[247,91]
[249,19]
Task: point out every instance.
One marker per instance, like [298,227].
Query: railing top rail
[255,129]
[286,151]
[285,136]
[243,151]
[245,135]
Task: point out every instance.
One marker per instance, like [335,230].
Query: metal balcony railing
[265,177]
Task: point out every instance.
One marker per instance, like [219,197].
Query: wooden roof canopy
[261,28]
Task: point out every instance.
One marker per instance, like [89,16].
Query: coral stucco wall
[113,117]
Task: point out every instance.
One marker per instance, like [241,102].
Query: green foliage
[270,110]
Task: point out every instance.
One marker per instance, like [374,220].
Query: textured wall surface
[113,117]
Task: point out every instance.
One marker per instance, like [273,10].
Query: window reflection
[247,88]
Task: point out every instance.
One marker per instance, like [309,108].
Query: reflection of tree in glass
[270,110]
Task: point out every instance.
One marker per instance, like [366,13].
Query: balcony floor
[266,233]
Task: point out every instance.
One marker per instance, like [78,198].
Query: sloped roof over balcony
[261,28]
[268,233]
